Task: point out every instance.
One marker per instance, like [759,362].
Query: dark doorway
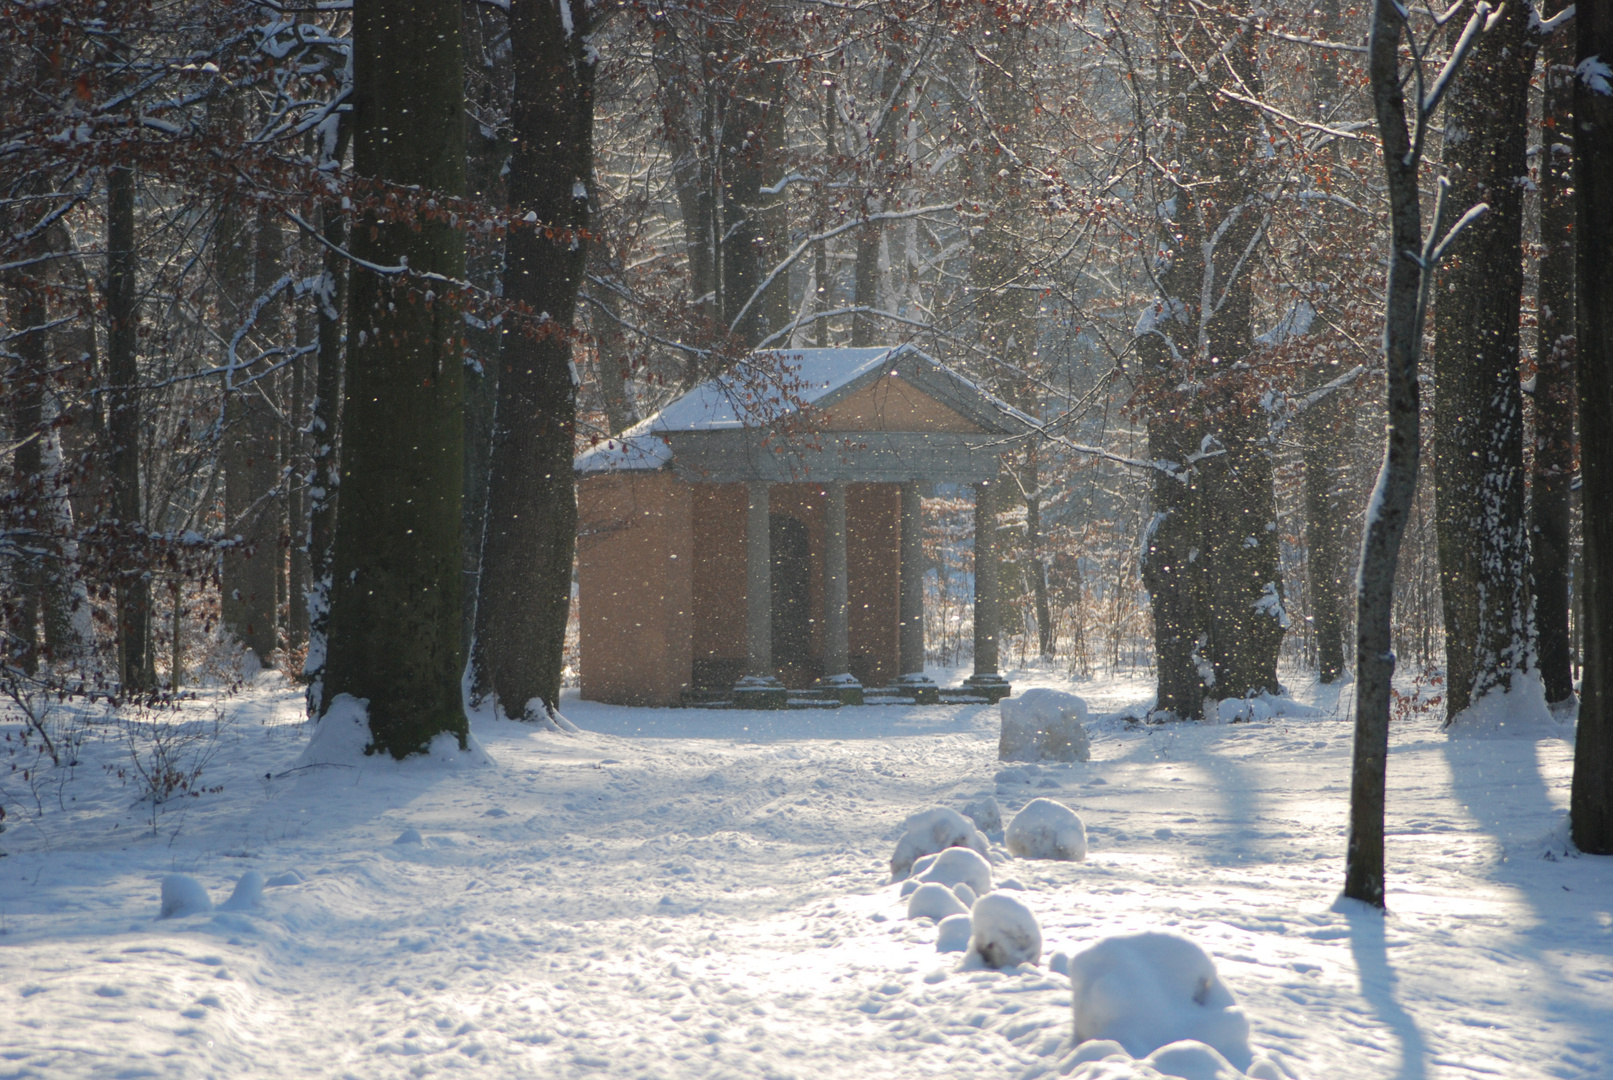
[792,600]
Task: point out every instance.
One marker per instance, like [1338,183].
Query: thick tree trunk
[133,587]
[1478,399]
[525,586]
[1591,803]
[866,329]
[28,313]
[1549,548]
[296,479]
[394,637]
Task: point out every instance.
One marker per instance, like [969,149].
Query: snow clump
[1043,725]
[965,894]
[248,893]
[986,814]
[1047,830]
[954,934]
[183,895]
[932,831]
[933,901]
[1004,932]
[953,867]
[1145,991]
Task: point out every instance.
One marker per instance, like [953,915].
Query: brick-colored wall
[873,565]
[635,578]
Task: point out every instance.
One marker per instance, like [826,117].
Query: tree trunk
[394,637]
[135,662]
[34,527]
[525,585]
[865,328]
[251,450]
[296,480]
[1591,803]
[323,424]
[1478,399]
[1554,400]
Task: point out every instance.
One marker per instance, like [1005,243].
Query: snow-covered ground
[693,893]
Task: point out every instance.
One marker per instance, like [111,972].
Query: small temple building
[759,540]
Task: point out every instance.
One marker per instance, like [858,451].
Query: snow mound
[1186,1059]
[1043,725]
[342,735]
[248,893]
[986,814]
[954,934]
[1251,709]
[954,867]
[966,895]
[1517,713]
[284,878]
[411,835]
[183,895]
[934,901]
[1145,991]
[1004,932]
[1047,830]
[932,831]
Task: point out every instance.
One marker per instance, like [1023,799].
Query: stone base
[920,687]
[842,688]
[991,686]
[753,692]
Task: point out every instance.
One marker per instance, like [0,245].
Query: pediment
[892,403]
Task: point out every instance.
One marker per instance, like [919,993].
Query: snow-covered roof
[765,388]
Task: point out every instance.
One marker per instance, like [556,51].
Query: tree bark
[135,662]
[525,586]
[1478,398]
[394,637]
[28,313]
[1591,801]
[1550,549]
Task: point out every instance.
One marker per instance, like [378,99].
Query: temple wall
[635,583]
[873,564]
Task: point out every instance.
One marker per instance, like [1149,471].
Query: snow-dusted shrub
[933,901]
[183,895]
[932,831]
[1004,932]
[954,933]
[1147,990]
[956,866]
[986,814]
[1043,725]
[1046,829]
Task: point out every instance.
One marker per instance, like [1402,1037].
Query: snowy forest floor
[685,893]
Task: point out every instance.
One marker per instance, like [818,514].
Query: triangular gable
[892,403]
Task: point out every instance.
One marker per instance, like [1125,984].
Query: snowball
[958,866]
[182,895]
[1047,830]
[1147,990]
[933,901]
[966,896]
[986,814]
[1192,1060]
[954,934]
[1004,932]
[931,831]
[1043,725]
[248,893]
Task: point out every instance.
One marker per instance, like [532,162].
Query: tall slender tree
[395,634]
[524,592]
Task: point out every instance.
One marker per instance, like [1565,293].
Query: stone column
[759,689]
[910,643]
[911,640]
[837,682]
[986,681]
[836,626]
[758,585]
